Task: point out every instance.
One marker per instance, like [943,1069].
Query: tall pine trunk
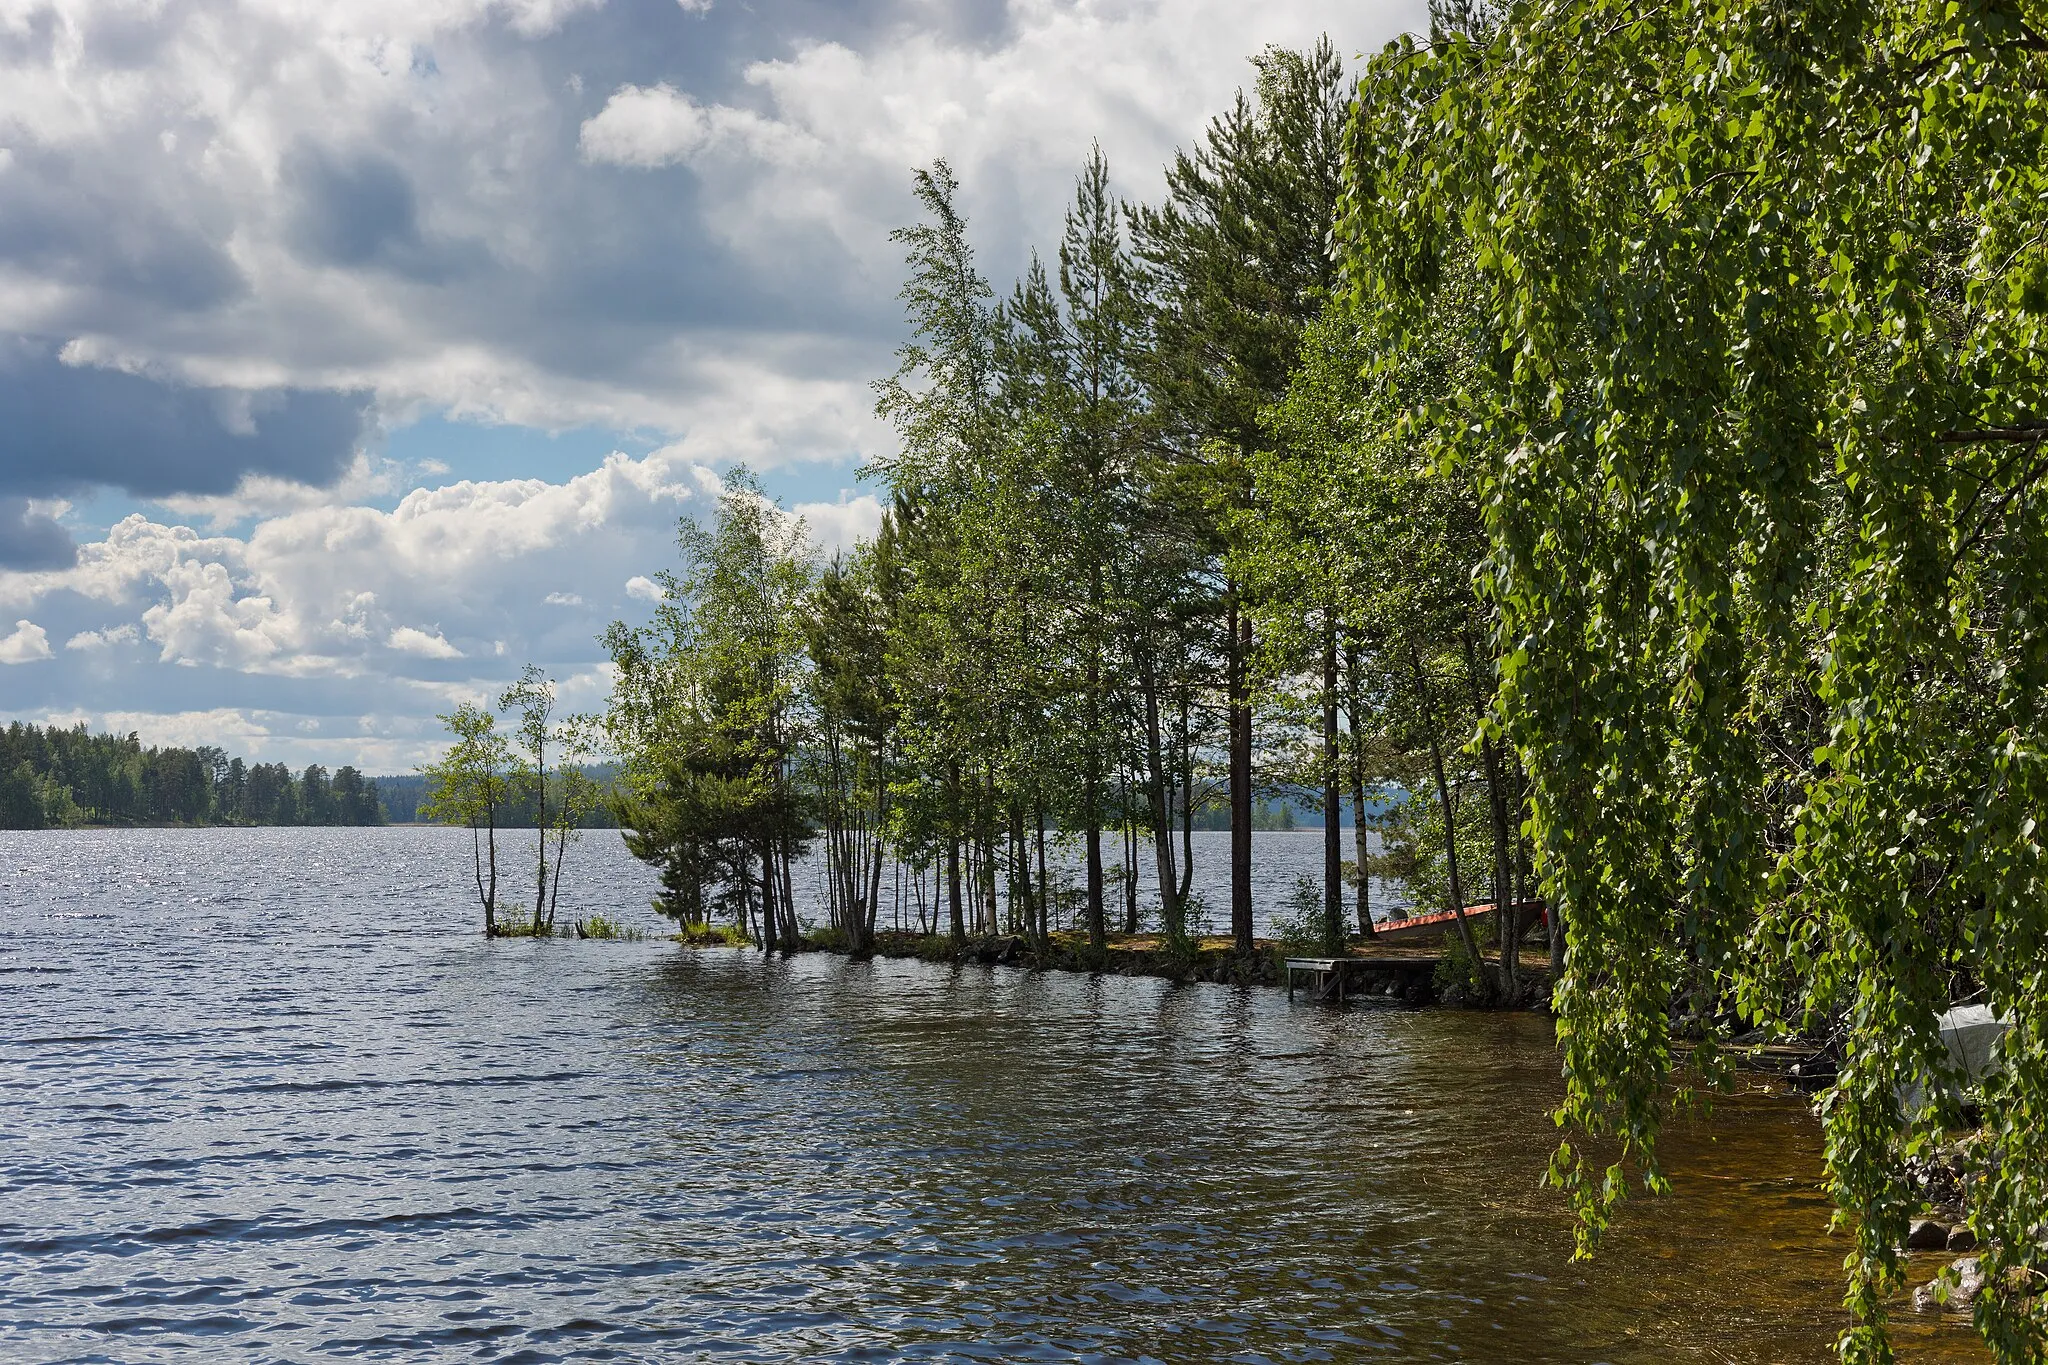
[1360,842]
[1333,797]
[1091,786]
[1130,860]
[1162,816]
[1237,684]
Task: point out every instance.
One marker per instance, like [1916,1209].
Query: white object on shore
[1971,1034]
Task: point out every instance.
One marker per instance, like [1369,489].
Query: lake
[270,1097]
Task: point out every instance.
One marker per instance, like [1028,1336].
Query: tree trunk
[1130,862]
[476,861]
[1091,785]
[1360,842]
[1497,822]
[1020,876]
[874,905]
[555,882]
[1096,929]
[1503,875]
[792,932]
[1237,685]
[1443,796]
[540,828]
[1187,806]
[1162,819]
[491,842]
[955,909]
[1044,892]
[1333,797]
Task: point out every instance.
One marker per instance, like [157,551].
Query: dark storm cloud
[32,540]
[71,221]
[359,209]
[69,427]
[350,210]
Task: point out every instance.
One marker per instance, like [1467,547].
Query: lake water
[269,1097]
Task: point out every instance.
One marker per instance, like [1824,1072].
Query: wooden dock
[1402,970]
[1336,979]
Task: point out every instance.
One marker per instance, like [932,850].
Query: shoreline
[1408,976]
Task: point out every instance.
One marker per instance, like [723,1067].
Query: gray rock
[1926,1235]
[1961,1238]
[1965,1280]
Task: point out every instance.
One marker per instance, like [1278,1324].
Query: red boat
[1418,930]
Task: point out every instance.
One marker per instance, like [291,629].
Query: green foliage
[700,931]
[597,926]
[1754,295]
[828,938]
[1458,969]
[705,716]
[1415,843]
[1302,927]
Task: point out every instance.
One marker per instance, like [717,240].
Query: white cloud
[839,126]
[838,525]
[266,495]
[562,599]
[29,643]
[328,591]
[90,640]
[660,126]
[410,640]
[238,731]
[644,588]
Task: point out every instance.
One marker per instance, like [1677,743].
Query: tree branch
[2033,431]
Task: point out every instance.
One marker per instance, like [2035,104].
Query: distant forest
[53,777]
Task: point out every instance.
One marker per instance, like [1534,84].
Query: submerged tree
[470,785]
[706,715]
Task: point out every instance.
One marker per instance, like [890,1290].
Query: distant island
[51,777]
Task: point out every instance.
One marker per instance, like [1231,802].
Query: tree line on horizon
[52,777]
[1619,427]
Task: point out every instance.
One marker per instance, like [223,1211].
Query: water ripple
[270,1098]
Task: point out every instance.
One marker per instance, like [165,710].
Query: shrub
[597,926]
[1300,927]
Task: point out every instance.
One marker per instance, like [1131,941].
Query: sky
[355,354]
